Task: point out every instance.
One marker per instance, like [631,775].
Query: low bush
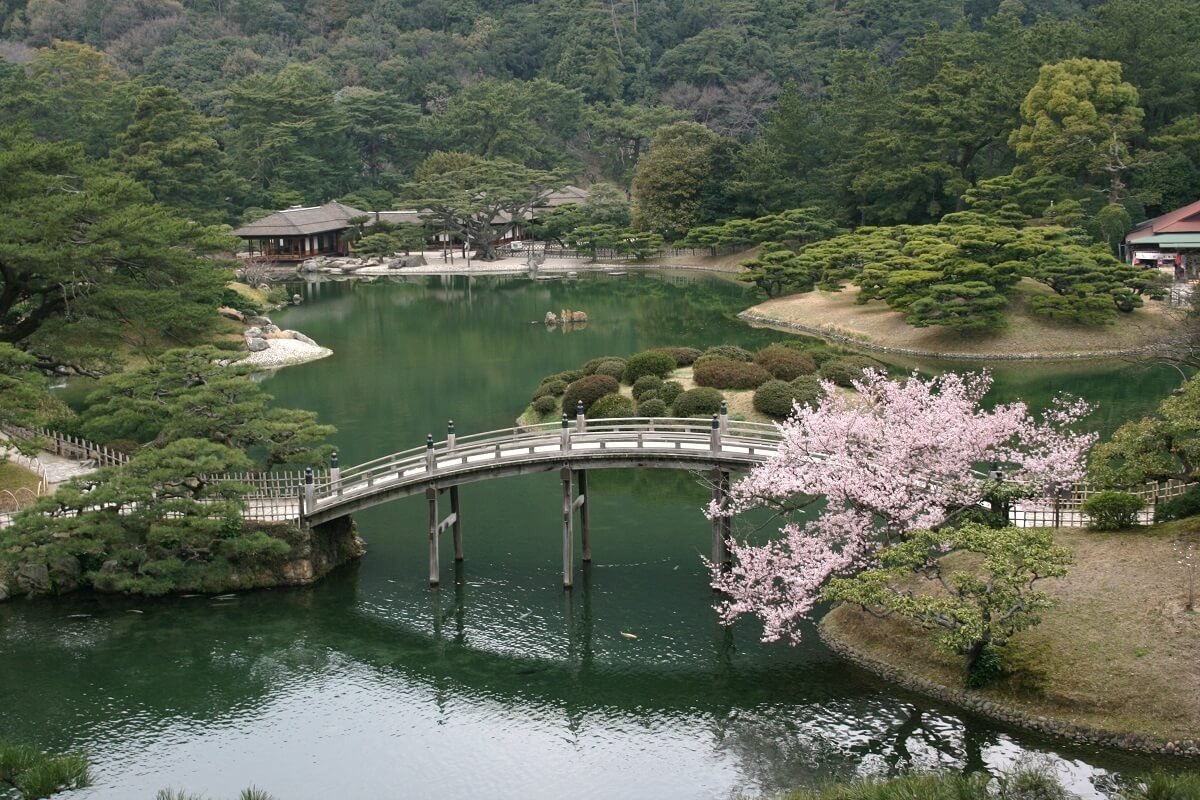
[611,406]
[546,404]
[588,390]
[590,367]
[649,394]
[844,370]
[567,376]
[774,398]
[1186,505]
[727,374]
[614,368]
[1112,511]
[683,355]
[729,351]
[553,388]
[652,407]
[669,391]
[230,345]
[807,389]
[785,363]
[696,402]
[646,383]
[649,362]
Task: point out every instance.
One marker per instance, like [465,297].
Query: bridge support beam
[435,565]
[454,512]
[568,515]
[721,526]
[581,480]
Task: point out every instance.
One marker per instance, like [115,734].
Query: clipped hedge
[785,363]
[1112,511]
[683,356]
[652,408]
[566,376]
[553,388]
[614,368]
[611,406]
[727,374]
[669,391]
[843,370]
[775,397]
[646,383]
[649,362]
[697,402]
[1186,505]
[590,367]
[588,389]
[732,352]
[546,404]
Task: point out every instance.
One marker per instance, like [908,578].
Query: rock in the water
[256,344]
[299,571]
[276,335]
[258,320]
[551,318]
[300,337]
[252,332]
[579,316]
[270,329]
[65,573]
[231,313]
[4,593]
[297,299]
[33,578]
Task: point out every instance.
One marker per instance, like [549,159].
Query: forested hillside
[876,111]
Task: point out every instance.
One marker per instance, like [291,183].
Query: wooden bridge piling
[457,514]
[568,542]
[722,525]
[584,523]
[435,566]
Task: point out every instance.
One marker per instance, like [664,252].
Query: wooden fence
[71,447]
[1066,509]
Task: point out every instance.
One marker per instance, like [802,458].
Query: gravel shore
[285,352]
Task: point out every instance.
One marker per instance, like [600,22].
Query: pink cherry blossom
[900,455]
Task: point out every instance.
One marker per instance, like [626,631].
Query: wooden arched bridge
[571,447]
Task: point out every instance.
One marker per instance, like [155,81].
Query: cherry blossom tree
[895,457]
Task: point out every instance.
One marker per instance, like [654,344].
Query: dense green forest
[876,111]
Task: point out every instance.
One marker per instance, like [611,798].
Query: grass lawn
[875,323]
[14,477]
[1120,651]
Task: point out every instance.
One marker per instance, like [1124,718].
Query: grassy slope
[875,323]
[1119,652]
[13,477]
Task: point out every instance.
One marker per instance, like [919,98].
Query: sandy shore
[284,353]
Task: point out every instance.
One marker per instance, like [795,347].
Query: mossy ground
[1119,652]
[1026,333]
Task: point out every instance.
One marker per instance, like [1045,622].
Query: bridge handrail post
[580,418]
[450,436]
[715,436]
[430,459]
[724,417]
[310,489]
[565,436]
[335,474]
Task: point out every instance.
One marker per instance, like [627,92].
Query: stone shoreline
[1081,734]
[850,341]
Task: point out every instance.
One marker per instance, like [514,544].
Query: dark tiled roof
[301,221]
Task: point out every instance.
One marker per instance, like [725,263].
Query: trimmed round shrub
[1112,511]
[567,376]
[590,367]
[649,394]
[669,391]
[611,406]
[726,374]
[646,383]
[845,369]
[807,389]
[613,369]
[785,363]
[652,408]
[697,402]
[774,398]
[683,355]
[546,404]
[649,362]
[732,352]
[588,389]
[552,388]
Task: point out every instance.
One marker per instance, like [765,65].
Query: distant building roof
[300,221]
[567,194]
[1170,228]
[398,217]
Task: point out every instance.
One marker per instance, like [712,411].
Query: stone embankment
[996,711]
[349,266]
[270,346]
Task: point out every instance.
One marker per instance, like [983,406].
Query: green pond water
[499,684]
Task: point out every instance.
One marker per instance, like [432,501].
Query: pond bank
[1114,663]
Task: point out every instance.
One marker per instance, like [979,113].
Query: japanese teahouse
[298,233]
[1171,240]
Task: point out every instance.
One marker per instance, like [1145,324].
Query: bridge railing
[578,436]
